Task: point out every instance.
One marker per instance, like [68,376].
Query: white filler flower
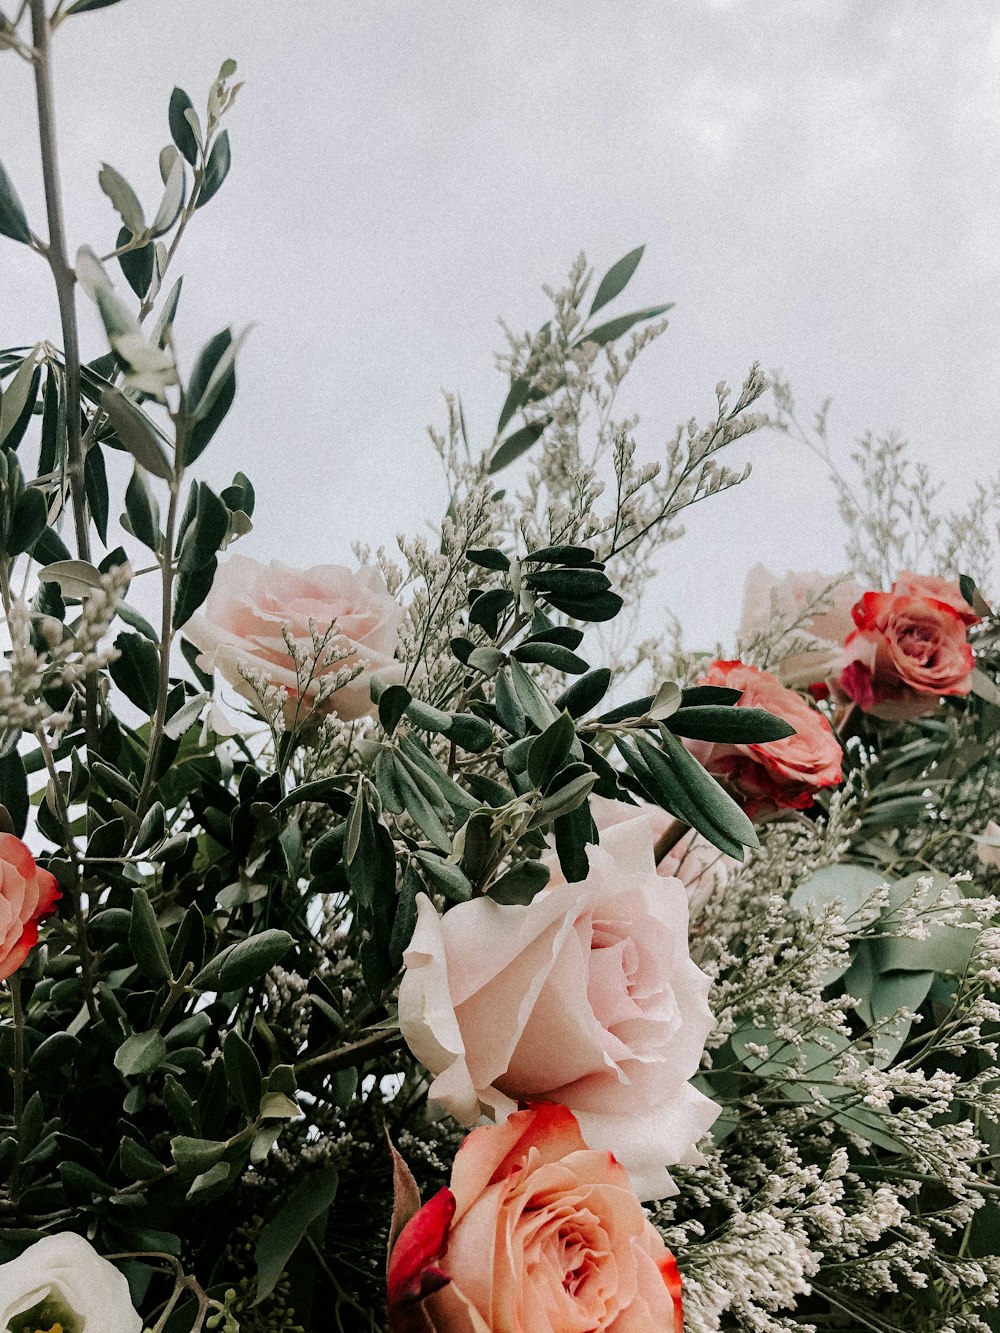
[62,1282]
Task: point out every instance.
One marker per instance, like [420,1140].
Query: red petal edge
[413,1272]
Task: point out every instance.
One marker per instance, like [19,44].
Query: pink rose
[27,895]
[935,589]
[907,651]
[539,1233]
[773,775]
[250,604]
[586,996]
[767,599]
[699,866]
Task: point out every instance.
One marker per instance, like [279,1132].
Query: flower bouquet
[421,945]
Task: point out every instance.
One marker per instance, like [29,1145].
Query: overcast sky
[816,185]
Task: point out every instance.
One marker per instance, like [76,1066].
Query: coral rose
[819,635]
[249,606]
[27,895]
[585,996]
[773,775]
[537,1232]
[909,649]
[62,1282]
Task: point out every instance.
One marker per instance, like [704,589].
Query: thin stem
[166,639]
[63,275]
[17,1010]
[346,1056]
[669,839]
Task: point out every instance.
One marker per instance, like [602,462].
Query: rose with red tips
[909,648]
[28,895]
[772,775]
[537,1232]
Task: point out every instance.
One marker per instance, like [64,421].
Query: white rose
[63,1280]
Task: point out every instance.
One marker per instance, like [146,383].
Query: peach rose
[27,895]
[537,1232]
[585,996]
[909,649]
[699,866]
[773,775]
[250,604]
[767,599]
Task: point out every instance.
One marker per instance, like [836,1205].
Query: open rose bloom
[586,996]
[61,1282]
[27,895]
[774,775]
[818,634]
[250,605]
[538,1233]
[909,648]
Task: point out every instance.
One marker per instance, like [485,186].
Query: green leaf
[508,706]
[605,606]
[28,521]
[137,265]
[550,750]
[173,198]
[211,390]
[489,557]
[136,433]
[446,878]
[734,726]
[510,449]
[13,223]
[392,704]
[422,812]
[21,390]
[515,400]
[606,333]
[720,808]
[945,948]
[534,703]
[146,939]
[180,128]
[75,578]
[578,583]
[152,829]
[205,534]
[561,555]
[96,483]
[165,321]
[586,693]
[244,962]
[246,1083]
[140,1054]
[209,1180]
[617,278]
[216,169]
[136,671]
[405,921]
[853,885]
[123,199]
[307,1203]
[193,1156]
[470,732]
[551,654]
[192,589]
[142,510]
[83,6]
[520,884]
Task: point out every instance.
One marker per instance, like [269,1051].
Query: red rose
[27,896]
[773,775]
[537,1232]
[909,648]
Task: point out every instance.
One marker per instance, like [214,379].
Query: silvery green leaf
[123,198]
[173,198]
[168,156]
[75,577]
[90,272]
[16,395]
[13,222]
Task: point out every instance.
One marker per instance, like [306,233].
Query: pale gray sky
[816,184]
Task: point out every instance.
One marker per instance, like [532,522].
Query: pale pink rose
[771,775]
[989,852]
[906,652]
[700,867]
[538,1233]
[250,604]
[768,599]
[27,895]
[585,996]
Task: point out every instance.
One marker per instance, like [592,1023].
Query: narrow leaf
[617,278]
